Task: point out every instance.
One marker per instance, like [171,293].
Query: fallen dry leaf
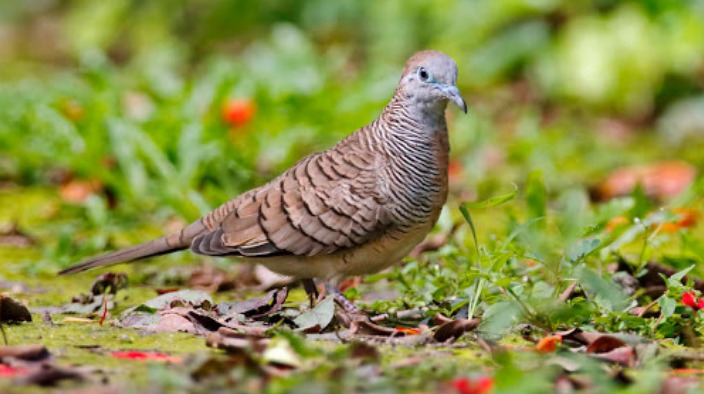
[10,235]
[659,180]
[235,342]
[455,329]
[625,356]
[365,327]
[70,319]
[36,352]
[46,375]
[255,307]
[364,352]
[12,311]
[605,344]
[77,191]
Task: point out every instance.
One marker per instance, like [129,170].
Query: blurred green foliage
[130,92]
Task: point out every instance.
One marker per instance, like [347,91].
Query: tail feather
[170,243]
[138,252]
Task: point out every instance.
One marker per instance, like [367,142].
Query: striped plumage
[353,209]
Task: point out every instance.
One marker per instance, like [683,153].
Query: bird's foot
[350,312]
[346,304]
[311,290]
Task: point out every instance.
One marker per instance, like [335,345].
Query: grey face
[431,76]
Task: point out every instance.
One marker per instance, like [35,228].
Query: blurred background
[120,118]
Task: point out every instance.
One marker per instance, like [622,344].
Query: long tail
[171,243]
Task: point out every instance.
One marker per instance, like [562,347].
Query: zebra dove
[353,209]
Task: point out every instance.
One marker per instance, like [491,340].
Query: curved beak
[453,94]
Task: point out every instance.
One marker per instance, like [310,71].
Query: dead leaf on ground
[440,319]
[48,375]
[364,352]
[255,307]
[659,180]
[365,327]
[77,191]
[605,344]
[625,356]
[189,311]
[12,311]
[10,235]
[454,329]
[35,352]
[217,366]
[318,318]
[32,364]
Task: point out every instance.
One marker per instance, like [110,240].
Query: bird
[353,209]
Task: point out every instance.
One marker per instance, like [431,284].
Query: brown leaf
[365,327]
[235,342]
[345,319]
[455,329]
[12,311]
[440,319]
[36,352]
[10,235]
[659,180]
[604,344]
[255,307]
[364,352]
[625,355]
[173,322]
[77,191]
[50,375]
[580,337]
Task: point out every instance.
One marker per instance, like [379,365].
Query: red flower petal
[238,112]
[7,371]
[146,356]
[690,300]
[407,331]
[486,384]
[548,344]
[482,385]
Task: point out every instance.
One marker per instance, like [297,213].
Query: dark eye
[423,74]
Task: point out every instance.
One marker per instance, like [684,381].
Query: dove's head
[429,79]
